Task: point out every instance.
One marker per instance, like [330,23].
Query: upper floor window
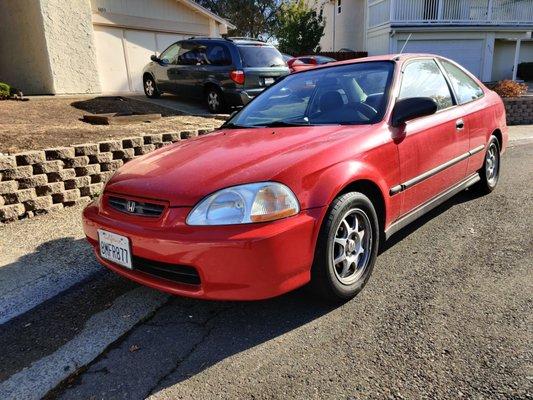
[423,78]
[339,6]
[465,87]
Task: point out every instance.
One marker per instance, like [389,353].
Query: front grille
[136,207]
[171,272]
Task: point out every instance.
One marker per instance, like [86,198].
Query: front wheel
[490,172]
[150,88]
[214,100]
[346,249]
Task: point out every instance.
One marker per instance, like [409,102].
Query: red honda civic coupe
[303,184]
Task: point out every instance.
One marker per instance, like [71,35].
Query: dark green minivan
[225,72]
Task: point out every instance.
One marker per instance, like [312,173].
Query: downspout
[334,22]
[516,58]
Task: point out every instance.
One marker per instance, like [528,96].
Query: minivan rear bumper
[240,97]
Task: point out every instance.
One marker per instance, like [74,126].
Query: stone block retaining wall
[519,110]
[35,182]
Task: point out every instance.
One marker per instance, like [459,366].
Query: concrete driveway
[446,314]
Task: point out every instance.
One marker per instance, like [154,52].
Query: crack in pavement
[193,349]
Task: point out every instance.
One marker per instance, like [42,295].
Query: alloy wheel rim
[492,164]
[149,87]
[212,100]
[352,245]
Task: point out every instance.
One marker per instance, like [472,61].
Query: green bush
[525,71]
[5,90]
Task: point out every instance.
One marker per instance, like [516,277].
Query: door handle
[459,124]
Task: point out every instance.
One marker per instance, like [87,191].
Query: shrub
[525,71]
[508,88]
[5,91]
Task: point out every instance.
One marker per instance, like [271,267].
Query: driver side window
[170,55]
[423,78]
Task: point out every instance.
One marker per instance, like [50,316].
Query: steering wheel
[368,111]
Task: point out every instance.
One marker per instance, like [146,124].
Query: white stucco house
[489,37]
[92,46]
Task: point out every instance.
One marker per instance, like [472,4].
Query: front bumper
[239,262]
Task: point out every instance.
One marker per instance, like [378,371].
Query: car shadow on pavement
[186,337]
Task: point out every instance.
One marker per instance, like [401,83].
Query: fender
[335,179]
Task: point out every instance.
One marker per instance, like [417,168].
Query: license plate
[115,248]
[269,81]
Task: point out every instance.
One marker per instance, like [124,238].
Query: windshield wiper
[231,125]
[278,124]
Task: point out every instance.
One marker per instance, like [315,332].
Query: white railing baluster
[497,12]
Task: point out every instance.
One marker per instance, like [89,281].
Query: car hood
[187,171]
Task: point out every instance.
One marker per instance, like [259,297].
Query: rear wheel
[150,87]
[214,100]
[346,248]
[490,172]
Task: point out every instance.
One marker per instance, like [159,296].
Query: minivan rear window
[260,56]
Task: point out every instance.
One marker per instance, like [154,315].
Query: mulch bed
[57,121]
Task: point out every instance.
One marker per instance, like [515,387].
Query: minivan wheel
[490,172]
[346,249]
[150,88]
[214,100]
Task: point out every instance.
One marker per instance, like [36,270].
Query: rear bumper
[240,97]
[241,262]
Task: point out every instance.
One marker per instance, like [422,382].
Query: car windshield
[348,94]
[260,56]
[324,60]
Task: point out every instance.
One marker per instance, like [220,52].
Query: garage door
[123,53]
[468,53]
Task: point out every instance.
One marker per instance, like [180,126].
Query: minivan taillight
[237,77]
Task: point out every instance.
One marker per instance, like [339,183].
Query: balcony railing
[448,12]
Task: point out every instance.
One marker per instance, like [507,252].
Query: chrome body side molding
[434,171]
[434,202]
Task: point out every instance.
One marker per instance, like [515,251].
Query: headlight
[255,202]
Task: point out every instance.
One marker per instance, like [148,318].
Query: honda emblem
[130,206]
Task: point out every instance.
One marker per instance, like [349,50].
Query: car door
[191,59]
[467,92]
[433,150]
[163,70]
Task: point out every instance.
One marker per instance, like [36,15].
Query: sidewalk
[520,134]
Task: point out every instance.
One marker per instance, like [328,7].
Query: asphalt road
[446,314]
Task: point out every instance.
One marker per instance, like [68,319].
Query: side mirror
[155,58]
[411,108]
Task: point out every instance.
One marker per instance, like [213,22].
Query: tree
[299,28]
[252,18]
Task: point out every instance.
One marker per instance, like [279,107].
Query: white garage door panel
[166,39]
[468,53]
[140,45]
[110,58]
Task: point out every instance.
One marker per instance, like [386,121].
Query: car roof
[384,57]
[236,40]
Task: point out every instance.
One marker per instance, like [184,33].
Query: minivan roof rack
[246,38]
[207,38]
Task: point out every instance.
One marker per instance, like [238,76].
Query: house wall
[23,51]
[171,10]
[344,30]
[504,52]
[378,41]
[69,36]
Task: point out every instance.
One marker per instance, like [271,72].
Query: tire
[490,172]
[341,281]
[214,100]
[150,88]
